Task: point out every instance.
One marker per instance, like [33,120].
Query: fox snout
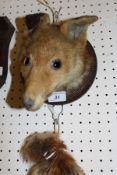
[33,100]
[32,104]
[28,103]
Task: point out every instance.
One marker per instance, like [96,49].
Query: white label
[57,97]
[1,71]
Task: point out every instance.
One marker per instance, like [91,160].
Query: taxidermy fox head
[53,58]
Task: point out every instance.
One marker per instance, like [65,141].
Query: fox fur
[49,155]
[64,42]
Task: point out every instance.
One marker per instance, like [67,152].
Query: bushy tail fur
[38,144]
[49,155]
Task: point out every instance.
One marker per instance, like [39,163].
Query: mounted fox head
[53,58]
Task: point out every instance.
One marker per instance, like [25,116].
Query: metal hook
[56,116]
[56,15]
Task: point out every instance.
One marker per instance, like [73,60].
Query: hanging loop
[56,16]
[56,115]
[55,13]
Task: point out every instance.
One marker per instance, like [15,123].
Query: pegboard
[89,125]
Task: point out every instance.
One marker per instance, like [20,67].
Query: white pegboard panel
[89,125]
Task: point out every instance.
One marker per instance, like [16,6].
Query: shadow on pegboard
[14,97]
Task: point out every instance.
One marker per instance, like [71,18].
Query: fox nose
[28,102]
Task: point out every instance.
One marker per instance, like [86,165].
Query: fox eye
[56,64]
[27,61]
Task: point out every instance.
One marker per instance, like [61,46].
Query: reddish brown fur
[61,163]
[65,41]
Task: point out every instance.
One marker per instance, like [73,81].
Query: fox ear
[76,29]
[35,20]
[44,19]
